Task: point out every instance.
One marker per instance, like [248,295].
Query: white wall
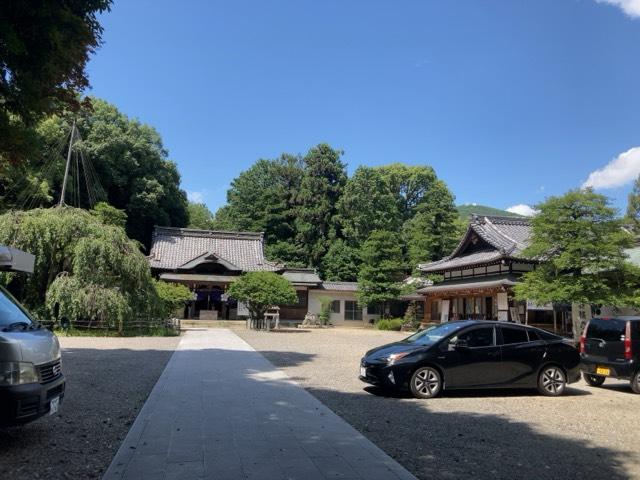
[337,318]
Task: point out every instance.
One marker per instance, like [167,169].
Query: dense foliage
[382,271]
[173,297]
[314,215]
[200,216]
[132,171]
[44,48]
[86,270]
[261,290]
[633,208]
[581,245]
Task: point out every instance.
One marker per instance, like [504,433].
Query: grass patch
[103,332]
[390,324]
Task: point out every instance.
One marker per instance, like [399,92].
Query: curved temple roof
[506,237]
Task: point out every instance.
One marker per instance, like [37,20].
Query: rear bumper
[623,370]
[24,403]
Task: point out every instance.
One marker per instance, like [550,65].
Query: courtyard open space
[587,433]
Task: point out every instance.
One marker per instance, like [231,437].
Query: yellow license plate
[602,371]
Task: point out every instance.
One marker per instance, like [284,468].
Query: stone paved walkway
[221,411]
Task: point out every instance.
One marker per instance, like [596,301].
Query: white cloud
[196,197]
[522,209]
[621,170]
[630,7]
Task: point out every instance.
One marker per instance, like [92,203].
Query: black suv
[610,347]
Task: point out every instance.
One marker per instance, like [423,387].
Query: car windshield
[433,334]
[11,313]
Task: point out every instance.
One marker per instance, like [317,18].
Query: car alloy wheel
[635,382]
[552,381]
[426,383]
[593,380]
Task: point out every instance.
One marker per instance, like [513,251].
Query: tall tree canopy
[44,48]
[85,269]
[131,168]
[341,262]
[322,184]
[367,204]
[409,184]
[382,270]
[434,230]
[633,207]
[581,247]
[200,216]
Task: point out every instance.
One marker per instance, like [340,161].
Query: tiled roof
[340,286]
[173,247]
[302,276]
[507,237]
[480,282]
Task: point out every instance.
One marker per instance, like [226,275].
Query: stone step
[185,324]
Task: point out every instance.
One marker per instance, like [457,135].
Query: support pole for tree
[66,168]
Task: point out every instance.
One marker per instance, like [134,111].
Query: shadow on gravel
[104,392]
[475,393]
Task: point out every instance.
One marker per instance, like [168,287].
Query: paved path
[221,411]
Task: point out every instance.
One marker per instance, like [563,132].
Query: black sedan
[474,354]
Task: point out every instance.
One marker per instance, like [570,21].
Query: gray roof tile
[173,247]
[340,286]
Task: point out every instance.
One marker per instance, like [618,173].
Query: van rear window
[609,330]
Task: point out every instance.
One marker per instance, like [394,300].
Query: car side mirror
[461,345]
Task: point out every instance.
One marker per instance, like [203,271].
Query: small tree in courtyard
[380,277]
[580,244]
[261,290]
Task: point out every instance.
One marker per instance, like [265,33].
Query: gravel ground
[589,433]
[108,380]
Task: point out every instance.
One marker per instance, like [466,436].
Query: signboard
[243,310]
[444,315]
[503,315]
[533,306]
[514,314]
[503,301]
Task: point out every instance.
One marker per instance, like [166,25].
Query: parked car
[610,347]
[474,354]
[31,379]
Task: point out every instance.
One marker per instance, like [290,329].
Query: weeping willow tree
[86,270]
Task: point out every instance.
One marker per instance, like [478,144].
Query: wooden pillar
[427,310]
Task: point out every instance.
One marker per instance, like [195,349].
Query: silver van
[31,379]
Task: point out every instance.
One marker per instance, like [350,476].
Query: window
[479,337]
[533,335]
[352,310]
[335,306]
[514,335]
[11,311]
[374,310]
[611,330]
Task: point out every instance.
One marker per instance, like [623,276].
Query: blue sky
[510,101]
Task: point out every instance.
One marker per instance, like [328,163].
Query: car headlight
[394,357]
[17,373]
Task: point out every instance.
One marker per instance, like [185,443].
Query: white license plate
[363,372]
[54,405]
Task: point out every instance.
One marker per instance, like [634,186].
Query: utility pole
[66,168]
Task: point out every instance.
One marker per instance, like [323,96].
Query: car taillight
[627,342]
[583,338]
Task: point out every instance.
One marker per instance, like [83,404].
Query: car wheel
[552,381]
[426,382]
[635,382]
[593,380]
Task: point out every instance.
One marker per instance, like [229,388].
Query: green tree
[109,215]
[580,244]
[382,270]
[320,189]
[434,230]
[341,263]
[172,295]
[286,252]
[633,207]
[85,269]
[44,48]
[367,204]
[262,290]
[200,216]
[409,185]
[132,171]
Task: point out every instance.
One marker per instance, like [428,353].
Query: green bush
[172,295]
[390,324]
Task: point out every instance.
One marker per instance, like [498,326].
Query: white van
[31,379]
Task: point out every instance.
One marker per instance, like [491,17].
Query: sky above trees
[509,101]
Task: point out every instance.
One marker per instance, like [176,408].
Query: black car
[610,347]
[474,354]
